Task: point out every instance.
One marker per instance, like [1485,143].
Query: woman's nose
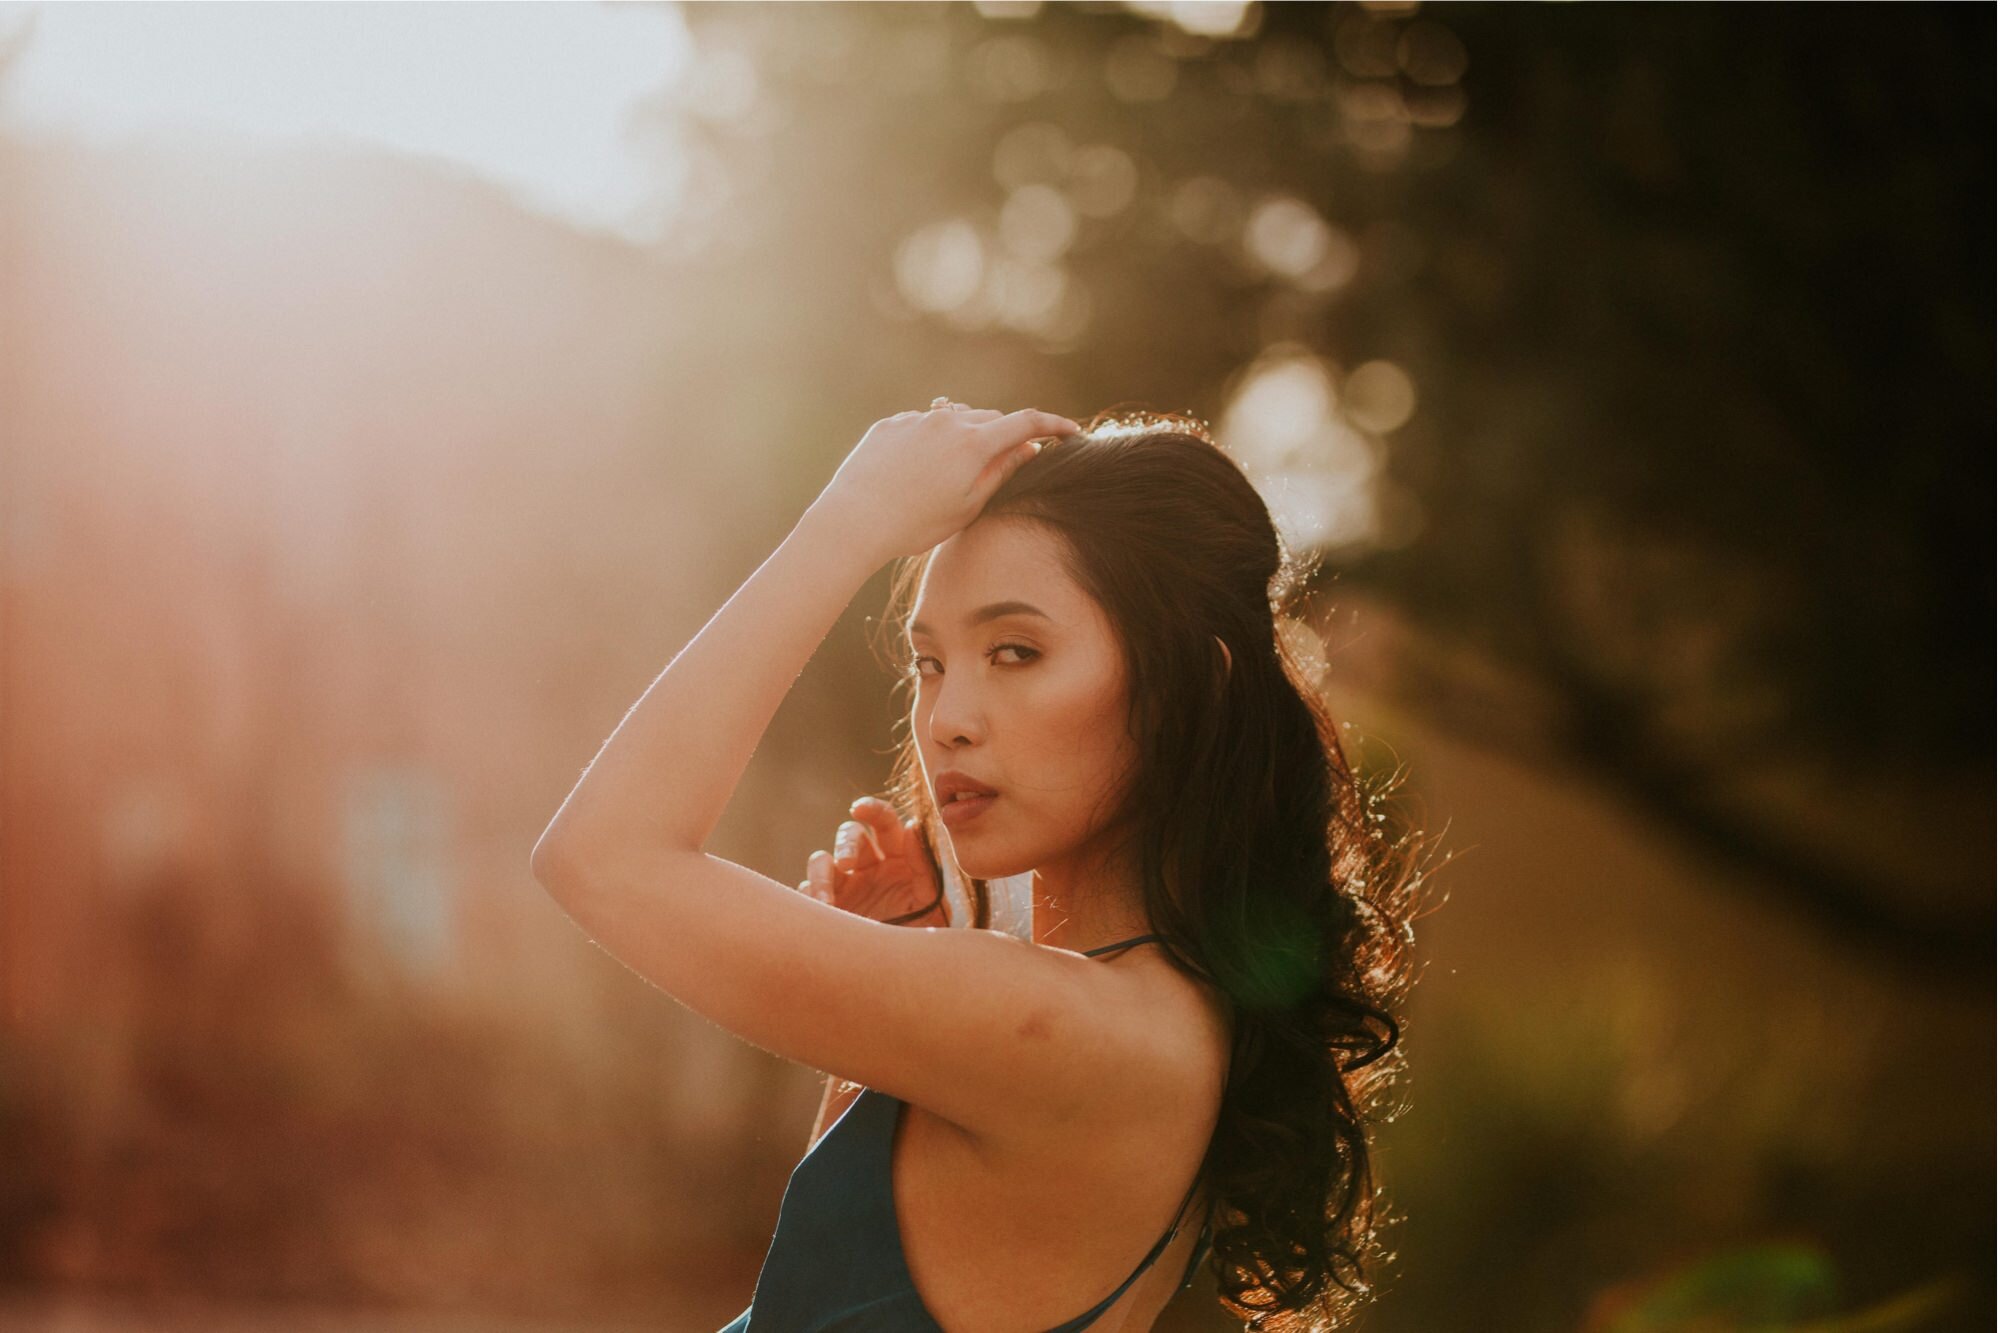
[954,714]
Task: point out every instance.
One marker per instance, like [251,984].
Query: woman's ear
[1227,660]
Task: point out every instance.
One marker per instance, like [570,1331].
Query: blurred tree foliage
[1694,298]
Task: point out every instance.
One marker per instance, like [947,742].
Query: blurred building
[291,607]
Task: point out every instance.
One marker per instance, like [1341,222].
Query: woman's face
[1021,685]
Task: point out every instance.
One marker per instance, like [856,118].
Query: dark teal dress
[836,1260]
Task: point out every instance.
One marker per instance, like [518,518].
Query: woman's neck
[1081,912]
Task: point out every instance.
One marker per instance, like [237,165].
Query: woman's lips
[964,810]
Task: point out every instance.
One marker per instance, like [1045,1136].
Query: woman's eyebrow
[991,611]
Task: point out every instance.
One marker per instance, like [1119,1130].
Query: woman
[1092,646]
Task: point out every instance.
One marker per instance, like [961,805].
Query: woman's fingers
[885,832]
[879,825]
[820,874]
[855,844]
[1013,439]
[1014,428]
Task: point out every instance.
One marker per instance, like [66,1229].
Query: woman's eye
[914,665]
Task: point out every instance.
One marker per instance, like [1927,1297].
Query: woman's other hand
[918,477]
[879,868]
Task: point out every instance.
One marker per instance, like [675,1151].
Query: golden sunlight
[540,99]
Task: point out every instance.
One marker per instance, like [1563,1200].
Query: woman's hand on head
[879,868]
[918,477]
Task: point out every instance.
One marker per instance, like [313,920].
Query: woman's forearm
[663,779]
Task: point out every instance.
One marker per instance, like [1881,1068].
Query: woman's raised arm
[663,779]
[995,1034]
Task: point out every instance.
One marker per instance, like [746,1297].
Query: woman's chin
[976,862]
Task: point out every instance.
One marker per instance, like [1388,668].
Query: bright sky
[537,97]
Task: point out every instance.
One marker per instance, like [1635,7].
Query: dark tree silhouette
[1697,302]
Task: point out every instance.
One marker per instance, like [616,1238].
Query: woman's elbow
[552,860]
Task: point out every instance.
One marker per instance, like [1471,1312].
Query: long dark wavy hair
[1265,866]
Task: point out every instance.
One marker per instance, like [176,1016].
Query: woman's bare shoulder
[1184,1025]
[1191,1019]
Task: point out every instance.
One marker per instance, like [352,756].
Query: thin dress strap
[1202,1244]
[1121,944]
[1090,1316]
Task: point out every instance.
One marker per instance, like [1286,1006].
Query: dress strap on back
[1089,1317]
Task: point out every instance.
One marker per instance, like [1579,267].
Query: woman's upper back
[893,1201]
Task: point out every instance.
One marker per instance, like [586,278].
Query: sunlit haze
[543,99]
